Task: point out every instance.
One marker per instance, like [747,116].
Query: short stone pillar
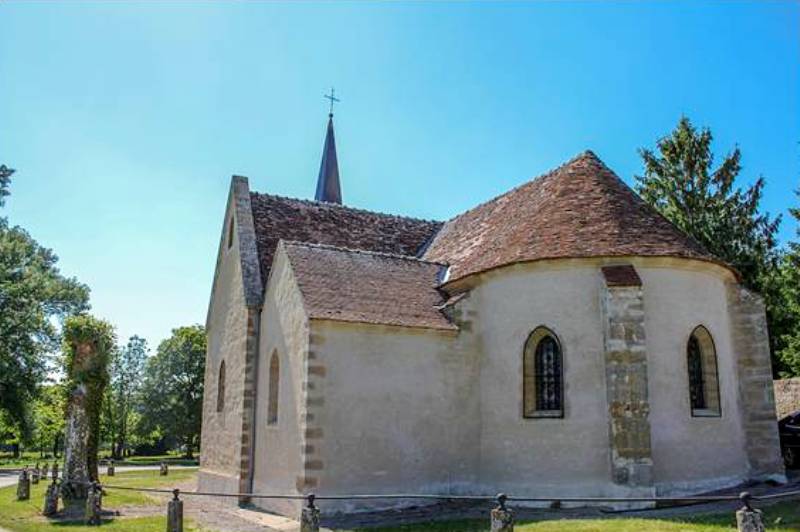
[749,519]
[94,504]
[175,513]
[502,517]
[54,471]
[35,474]
[110,468]
[24,485]
[309,517]
[164,471]
[51,499]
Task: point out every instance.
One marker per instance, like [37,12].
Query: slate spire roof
[328,188]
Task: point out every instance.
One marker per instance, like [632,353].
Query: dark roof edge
[330,247]
[454,280]
[452,329]
[345,207]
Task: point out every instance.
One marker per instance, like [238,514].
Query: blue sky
[125,121]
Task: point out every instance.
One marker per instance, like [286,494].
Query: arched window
[543,379]
[701,360]
[274,383]
[221,387]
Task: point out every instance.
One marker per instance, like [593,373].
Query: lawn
[7,461]
[25,516]
[782,516]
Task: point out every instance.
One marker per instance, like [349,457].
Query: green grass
[788,512]
[7,460]
[25,516]
[172,459]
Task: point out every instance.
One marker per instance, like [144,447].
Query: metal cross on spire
[333,99]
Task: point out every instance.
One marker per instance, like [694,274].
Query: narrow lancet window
[274,383]
[543,375]
[701,360]
[221,387]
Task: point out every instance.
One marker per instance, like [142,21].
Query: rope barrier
[428,496]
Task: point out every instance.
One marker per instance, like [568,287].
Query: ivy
[88,345]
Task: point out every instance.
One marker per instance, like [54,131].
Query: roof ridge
[345,207]
[585,154]
[412,258]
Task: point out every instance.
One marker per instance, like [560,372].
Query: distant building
[562,339]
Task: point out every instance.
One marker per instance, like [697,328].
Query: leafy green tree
[680,182]
[34,298]
[127,369]
[787,283]
[48,419]
[172,393]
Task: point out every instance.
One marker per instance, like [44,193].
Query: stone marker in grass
[24,485]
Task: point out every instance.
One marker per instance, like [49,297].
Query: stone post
[502,517]
[51,499]
[35,474]
[24,485]
[164,471]
[54,471]
[110,468]
[309,517]
[93,504]
[175,513]
[748,519]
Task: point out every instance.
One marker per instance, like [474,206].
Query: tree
[680,183]
[127,368]
[48,419]
[787,283]
[34,298]
[88,344]
[172,392]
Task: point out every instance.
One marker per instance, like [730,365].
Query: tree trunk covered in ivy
[87,344]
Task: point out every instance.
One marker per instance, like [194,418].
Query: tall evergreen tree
[787,283]
[680,182]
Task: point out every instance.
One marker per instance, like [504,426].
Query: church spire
[328,188]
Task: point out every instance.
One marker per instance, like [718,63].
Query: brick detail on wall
[248,402]
[311,414]
[787,396]
[626,386]
[756,394]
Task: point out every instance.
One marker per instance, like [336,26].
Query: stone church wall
[394,410]
[227,329]
[279,447]
[690,453]
[538,456]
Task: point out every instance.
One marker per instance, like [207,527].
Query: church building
[562,339]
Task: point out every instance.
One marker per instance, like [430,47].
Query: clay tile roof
[366,287]
[277,218]
[581,209]
[622,275]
